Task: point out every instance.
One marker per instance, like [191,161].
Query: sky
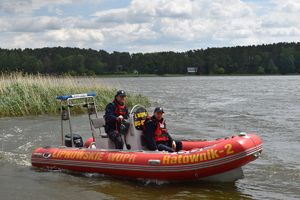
[147,25]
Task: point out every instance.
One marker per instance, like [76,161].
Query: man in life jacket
[156,134]
[115,113]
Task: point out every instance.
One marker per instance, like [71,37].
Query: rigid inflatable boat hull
[222,156]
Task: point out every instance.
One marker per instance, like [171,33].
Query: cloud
[186,22]
[29,24]
[281,23]
[21,7]
[157,25]
[112,16]
[57,11]
[75,35]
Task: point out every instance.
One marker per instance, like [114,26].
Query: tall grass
[25,94]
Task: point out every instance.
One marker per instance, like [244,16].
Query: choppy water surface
[196,107]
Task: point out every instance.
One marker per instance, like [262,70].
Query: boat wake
[15,158]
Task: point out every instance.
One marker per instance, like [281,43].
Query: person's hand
[174,145]
[120,118]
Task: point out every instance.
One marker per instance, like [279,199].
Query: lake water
[195,107]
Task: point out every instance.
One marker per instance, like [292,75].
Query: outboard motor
[77,139]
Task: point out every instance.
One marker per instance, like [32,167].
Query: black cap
[121,93]
[159,109]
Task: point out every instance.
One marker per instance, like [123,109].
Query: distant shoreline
[181,75]
[272,59]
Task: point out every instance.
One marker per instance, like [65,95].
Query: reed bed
[26,94]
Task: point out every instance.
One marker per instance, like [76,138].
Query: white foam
[15,158]
[17,129]
[25,147]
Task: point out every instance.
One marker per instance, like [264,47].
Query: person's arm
[168,135]
[172,141]
[127,114]
[109,113]
[149,135]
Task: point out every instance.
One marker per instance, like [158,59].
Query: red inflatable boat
[219,159]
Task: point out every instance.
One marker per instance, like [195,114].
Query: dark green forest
[280,58]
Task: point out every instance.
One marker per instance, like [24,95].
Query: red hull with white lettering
[199,160]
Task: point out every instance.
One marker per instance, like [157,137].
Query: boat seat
[104,135]
[100,124]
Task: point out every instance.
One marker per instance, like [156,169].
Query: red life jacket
[120,109]
[160,134]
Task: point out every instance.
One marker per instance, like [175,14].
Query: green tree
[217,70]
[260,70]
[269,59]
[271,68]
[286,61]
[297,61]
[98,67]
[32,64]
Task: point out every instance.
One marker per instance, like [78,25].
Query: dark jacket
[111,117]
[149,133]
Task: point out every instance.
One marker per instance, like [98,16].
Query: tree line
[280,58]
